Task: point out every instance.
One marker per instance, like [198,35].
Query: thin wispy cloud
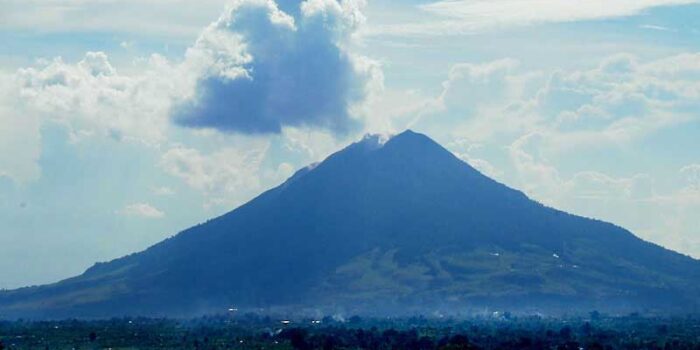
[143,210]
[475,16]
[172,19]
[657,28]
[163,191]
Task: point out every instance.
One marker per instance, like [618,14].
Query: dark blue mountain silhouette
[393,227]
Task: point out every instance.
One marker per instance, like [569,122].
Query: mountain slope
[379,227]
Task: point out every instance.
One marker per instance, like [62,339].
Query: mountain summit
[385,226]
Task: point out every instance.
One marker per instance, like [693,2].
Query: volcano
[382,227]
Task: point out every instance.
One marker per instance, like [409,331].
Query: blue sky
[122,123]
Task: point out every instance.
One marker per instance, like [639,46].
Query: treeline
[255,332]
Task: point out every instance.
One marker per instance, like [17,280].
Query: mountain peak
[407,140]
[410,137]
[409,133]
[379,139]
[387,225]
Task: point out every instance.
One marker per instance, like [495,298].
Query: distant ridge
[384,227]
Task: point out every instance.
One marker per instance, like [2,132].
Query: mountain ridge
[385,225]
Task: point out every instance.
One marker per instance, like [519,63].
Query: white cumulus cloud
[257,69]
[91,96]
[261,69]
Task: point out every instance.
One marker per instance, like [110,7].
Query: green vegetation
[497,331]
